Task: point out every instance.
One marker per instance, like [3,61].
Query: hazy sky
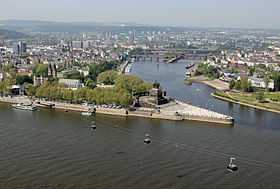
[207,13]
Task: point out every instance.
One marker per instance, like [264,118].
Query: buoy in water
[147,139]
[232,167]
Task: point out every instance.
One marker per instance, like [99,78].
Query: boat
[147,139]
[93,127]
[188,74]
[27,107]
[232,167]
[189,66]
[87,113]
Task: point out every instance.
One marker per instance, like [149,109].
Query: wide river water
[50,149]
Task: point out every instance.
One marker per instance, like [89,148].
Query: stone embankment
[174,110]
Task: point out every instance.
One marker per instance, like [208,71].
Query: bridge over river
[166,55]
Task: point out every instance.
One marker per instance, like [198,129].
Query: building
[77,44]
[23,47]
[38,81]
[86,44]
[20,48]
[17,90]
[260,83]
[73,84]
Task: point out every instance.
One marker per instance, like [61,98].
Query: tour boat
[93,127]
[87,113]
[22,106]
[188,74]
[147,139]
[188,66]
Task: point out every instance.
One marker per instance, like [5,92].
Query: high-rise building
[20,48]
[23,47]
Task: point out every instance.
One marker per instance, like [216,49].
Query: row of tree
[242,84]
[56,92]
[96,69]
[207,70]
[125,87]
[4,87]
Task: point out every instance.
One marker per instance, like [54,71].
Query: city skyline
[201,13]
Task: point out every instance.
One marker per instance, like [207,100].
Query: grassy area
[250,99]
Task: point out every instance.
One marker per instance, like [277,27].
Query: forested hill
[8,34]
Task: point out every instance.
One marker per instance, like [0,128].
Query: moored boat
[188,74]
[87,113]
[188,66]
[27,107]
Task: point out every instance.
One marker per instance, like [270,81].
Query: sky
[196,13]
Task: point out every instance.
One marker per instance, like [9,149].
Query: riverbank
[216,83]
[175,111]
[261,106]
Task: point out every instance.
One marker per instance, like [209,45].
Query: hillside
[8,34]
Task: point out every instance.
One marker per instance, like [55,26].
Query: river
[52,149]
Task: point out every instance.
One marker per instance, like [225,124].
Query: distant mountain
[27,26]
[8,34]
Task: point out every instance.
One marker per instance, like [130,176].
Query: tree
[260,96]
[41,70]
[67,95]
[21,79]
[207,70]
[266,81]
[156,85]
[74,74]
[90,84]
[108,77]
[96,69]
[231,84]
[246,85]
[4,87]
[276,78]
[130,83]
[252,71]
[237,85]
[30,90]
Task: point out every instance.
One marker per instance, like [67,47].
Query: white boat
[147,139]
[188,74]
[22,106]
[87,113]
[93,127]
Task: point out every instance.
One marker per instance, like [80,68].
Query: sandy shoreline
[216,84]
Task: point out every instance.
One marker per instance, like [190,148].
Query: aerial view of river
[51,149]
